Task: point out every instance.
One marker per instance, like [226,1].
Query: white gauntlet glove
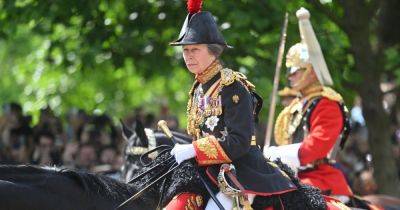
[183,152]
[287,153]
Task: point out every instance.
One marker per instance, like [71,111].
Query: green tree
[373,39]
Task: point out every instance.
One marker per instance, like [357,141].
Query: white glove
[287,153]
[225,200]
[182,152]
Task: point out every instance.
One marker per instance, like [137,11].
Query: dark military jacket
[221,113]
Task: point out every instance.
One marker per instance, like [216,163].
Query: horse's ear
[139,129]
[126,132]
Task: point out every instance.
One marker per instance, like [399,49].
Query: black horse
[44,188]
[40,188]
[35,188]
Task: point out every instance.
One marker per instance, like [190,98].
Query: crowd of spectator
[79,140]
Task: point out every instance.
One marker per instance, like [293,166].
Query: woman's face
[197,57]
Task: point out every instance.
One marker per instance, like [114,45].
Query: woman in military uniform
[221,113]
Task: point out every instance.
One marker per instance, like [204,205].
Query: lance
[271,114]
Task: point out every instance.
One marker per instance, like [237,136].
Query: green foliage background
[111,56]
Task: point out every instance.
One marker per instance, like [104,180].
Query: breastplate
[299,134]
[304,127]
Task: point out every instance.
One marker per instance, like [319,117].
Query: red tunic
[326,124]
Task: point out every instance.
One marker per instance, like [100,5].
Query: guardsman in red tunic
[314,127]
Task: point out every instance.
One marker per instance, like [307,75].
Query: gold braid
[284,128]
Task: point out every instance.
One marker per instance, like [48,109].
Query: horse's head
[135,137]
[140,140]
[137,143]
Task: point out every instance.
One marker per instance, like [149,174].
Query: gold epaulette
[228,76]
[326,92]
[331,94]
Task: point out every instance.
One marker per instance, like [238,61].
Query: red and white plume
[194,6]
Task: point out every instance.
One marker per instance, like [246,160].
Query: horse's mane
[99,184]
[91,183]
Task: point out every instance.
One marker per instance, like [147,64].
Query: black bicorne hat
[200,28]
